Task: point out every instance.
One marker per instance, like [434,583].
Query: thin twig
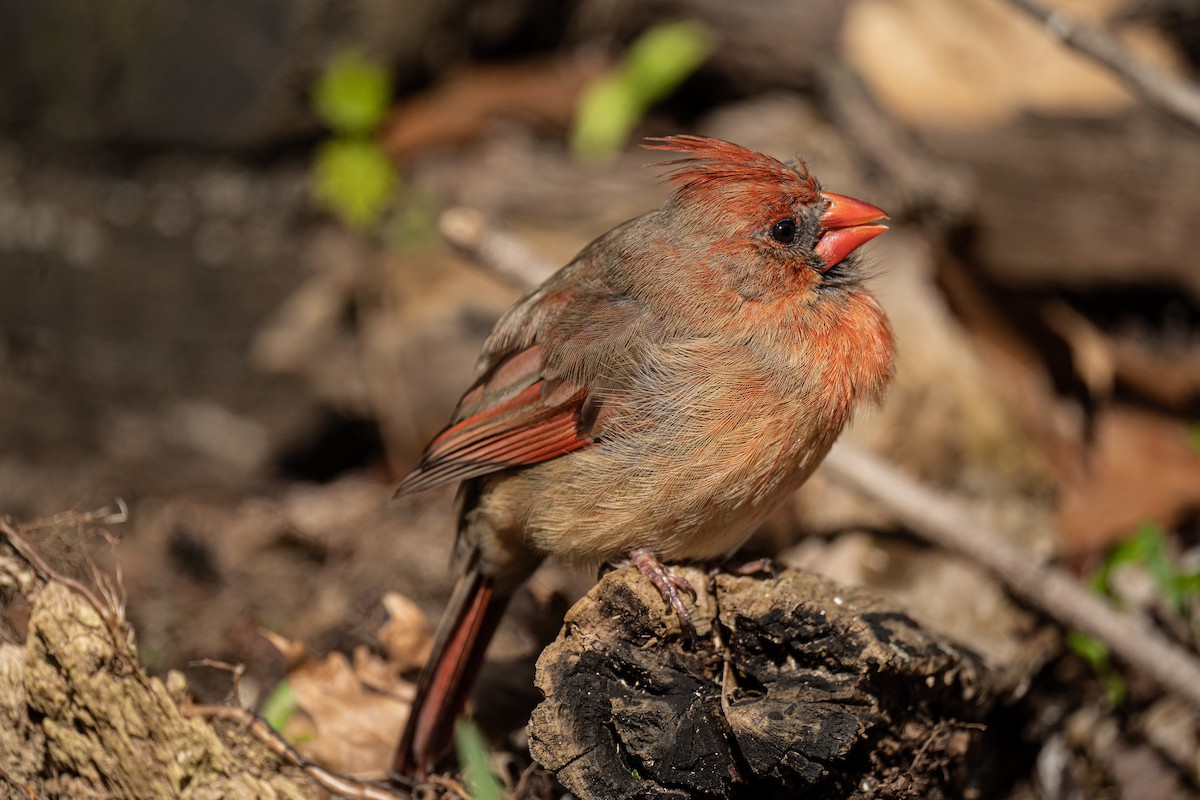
[522,790]
[942,521]
[504,254]
[110,588]
[448,784]
[236,673]
[939,520]
[493,248]
[101,516]
[1160,89]
[111,616]
[329,780]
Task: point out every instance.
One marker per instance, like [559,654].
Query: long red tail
[467,626]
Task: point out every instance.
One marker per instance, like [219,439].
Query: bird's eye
[784,231]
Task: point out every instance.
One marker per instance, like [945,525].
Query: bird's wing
[511,417]
[532,401]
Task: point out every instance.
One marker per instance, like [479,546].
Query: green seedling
[473,756]
[655,65]
[353,177]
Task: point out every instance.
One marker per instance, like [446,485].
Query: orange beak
[848,224]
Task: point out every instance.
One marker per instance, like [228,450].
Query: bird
[655,399]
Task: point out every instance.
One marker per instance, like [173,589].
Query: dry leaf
[354,709]
[1141,467]
[406,637]
[294,652]
[357,711]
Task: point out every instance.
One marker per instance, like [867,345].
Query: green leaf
[354,179]
[607,114]
[1188,585]
[654,66]
[280,706]
[1089,648]
[1152,541]
[1146,548]
[473,756]
[663,57]
[353,94]
[1114,687]
[1096,654]
[1193,434]
[1098,582]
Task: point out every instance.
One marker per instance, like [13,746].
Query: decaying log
[1081,175]
[794,684]
[80,718]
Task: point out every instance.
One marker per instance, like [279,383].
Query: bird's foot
[669,585]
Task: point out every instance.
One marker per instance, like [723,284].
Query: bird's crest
[712,164]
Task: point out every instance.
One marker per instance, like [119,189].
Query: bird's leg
[669,585]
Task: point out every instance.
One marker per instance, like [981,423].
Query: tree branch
[1160,89]
[943,522]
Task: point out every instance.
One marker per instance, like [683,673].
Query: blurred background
[225,300]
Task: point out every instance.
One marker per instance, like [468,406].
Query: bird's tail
[467,626]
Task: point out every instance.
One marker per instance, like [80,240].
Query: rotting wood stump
[804,688]
[79,718]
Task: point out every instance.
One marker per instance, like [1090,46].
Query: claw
[669,585]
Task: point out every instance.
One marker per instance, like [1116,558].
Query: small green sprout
[473,756]
[279,706]
[353,176]
[655,65]
[1146,548]
[352,95]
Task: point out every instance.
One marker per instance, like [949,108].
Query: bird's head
[768,225]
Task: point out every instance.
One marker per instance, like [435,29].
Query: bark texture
[80,718]
[794,684]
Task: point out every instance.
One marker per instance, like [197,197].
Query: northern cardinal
[654,399]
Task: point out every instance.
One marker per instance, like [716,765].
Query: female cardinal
[656,398]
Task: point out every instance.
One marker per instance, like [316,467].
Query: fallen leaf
[406,637]
[1141,467]
[357,711]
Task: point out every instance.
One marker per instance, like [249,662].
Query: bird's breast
[702,438]
[701,447]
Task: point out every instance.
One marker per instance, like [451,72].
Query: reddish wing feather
[519,413]
[504,420]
